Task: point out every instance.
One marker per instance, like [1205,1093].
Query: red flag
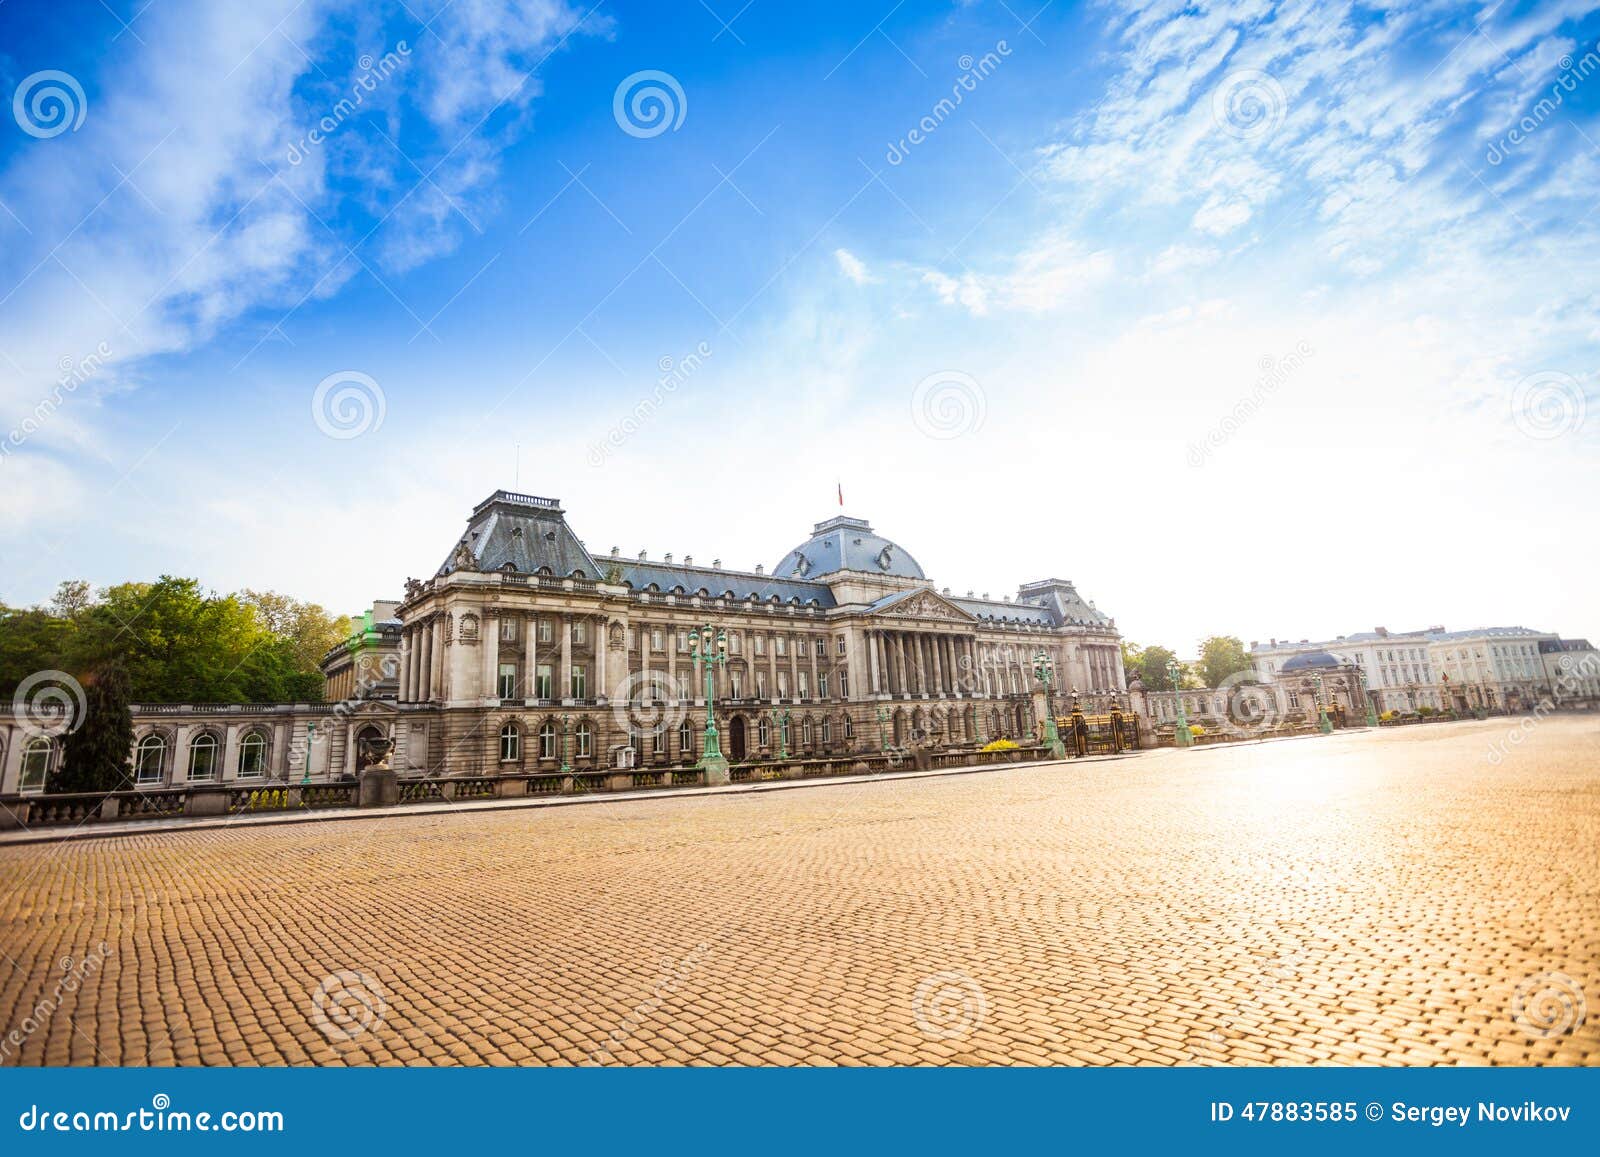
[841,492]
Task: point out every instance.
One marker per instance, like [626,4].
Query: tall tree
[94,756]
[311,630]
[1220,657]
[1150,663]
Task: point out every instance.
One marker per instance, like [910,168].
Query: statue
[463,557]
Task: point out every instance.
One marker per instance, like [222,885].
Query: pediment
[925,605]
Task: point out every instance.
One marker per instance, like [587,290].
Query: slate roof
[524,532]
[845,543]
[743,584]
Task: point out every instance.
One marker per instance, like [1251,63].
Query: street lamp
[311,741]
[883,736]
[1181,733]
[566,744]
[1044,670]
[780,721]
[1372,715]
[1324,724]
[710,649]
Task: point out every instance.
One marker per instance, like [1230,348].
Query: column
[811,645]
[489,640]
[602,642]
[564,622]
[794,669]
[772,668]
[872,660]
[670,637]
[530,654]
[428,681]
[938,664]
[643,632]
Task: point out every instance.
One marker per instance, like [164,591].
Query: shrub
[1196,730]
[1000,745]
[1425,711]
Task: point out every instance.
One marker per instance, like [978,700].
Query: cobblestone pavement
[1427,895]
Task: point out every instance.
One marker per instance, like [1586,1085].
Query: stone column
[772,667]
[602,642]
[938,642]
[565,621]
[872,660]
[489,640]
[670,638]
[811,645]
[794,670]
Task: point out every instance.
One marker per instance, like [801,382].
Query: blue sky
[1250,318]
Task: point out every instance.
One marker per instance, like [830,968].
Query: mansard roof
[691,580]
[845,543]
[523,533]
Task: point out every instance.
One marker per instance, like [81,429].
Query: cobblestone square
[1416,896]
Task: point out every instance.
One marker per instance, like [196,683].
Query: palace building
[524,652]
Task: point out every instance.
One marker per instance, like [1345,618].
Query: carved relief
[925,605]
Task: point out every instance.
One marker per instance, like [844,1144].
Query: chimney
[643,555]
[1381,632]
[688,560]
[760,569]
[716,564]
[616,552]
[667,558]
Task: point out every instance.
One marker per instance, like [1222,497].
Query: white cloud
[852,266]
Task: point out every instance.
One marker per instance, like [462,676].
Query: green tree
[30,640]
[1220,657]
[1149,663]
[94,757]
[310,629]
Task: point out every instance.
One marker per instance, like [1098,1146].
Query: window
[822,685]
[844,685]
[781,644]
[253,756]
[203,757]
[508,680]
[149,761]
[35,763]
[585,736]
[547,740]
[541,682]
[805,732]
[510,743]
[683,642]
[821,649]
[840,645]
[827,730]
[655,640]
[508,630]
[763,732]
[783,729]
[761,684]
[733,643]
[580,632]
[580,681]
[761,644]
[733,685]
[546,632]
[783,685]
[849,728]
[685,740]
[805,685]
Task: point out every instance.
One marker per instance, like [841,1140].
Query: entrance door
[736,739]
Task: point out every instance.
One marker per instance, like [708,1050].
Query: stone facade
[523,652]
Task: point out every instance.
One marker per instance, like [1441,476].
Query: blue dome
[845,543]
[1310,661]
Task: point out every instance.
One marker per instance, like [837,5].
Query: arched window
[585,735]
[805,731]
[150,760]
[547,740]
[685,740]
[253,756]
[36,763]
[510,743]
[203,757]
[763,732]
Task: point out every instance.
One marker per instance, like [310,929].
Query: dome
[845,543]
[1310,662]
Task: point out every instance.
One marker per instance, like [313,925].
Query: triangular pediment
[922,604]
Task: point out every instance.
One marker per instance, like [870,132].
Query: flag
[841,492]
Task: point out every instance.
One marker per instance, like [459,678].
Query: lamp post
[566,744]
[710,649]
[1044,670]
[1372,715]
[1324,724]
[1180,733]
[883,735]
[780,722]
[311,740]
